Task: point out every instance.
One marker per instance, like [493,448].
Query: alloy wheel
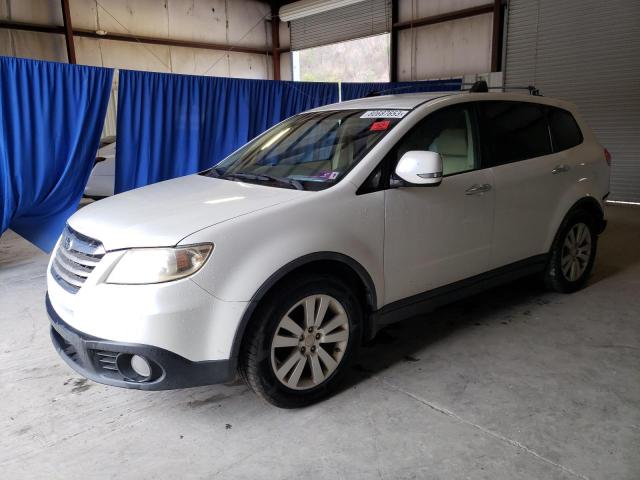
[576,252]
[309,342]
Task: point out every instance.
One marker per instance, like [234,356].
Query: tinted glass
[311,151]
[513,131]
[448,132]
[564,129]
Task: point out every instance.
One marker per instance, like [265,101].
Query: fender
[371,296]
[588,203]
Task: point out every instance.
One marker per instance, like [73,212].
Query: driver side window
[447,132]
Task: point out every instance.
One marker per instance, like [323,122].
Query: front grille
[106,360]
[67,348]
[75,259]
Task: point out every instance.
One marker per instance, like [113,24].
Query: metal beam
[393,48]
[31,27]
[496,38]
[133,38]
[275,38]
[68,31]
[445,17]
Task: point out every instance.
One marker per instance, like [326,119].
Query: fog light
[141,366]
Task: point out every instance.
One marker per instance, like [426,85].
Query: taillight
[607,156]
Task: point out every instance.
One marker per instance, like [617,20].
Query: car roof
[409,101]
[401,101]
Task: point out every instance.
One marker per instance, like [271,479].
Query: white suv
[282,259]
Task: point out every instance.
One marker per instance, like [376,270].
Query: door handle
[560,169]
[477,189]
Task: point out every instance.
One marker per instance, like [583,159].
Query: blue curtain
[172,125]
[51,118]
[351,91]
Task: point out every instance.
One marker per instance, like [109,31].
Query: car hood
[164,213]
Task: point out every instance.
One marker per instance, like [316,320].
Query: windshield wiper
[212,172]
[266,178]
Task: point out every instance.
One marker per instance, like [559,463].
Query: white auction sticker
[384,114]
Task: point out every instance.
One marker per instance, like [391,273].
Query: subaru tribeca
[278,262]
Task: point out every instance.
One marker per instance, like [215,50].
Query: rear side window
[513,131]
[564,129]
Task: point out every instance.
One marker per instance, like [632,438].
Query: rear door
[529,178]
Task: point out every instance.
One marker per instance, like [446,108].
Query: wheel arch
[592,206]
[320,262]
[587,203]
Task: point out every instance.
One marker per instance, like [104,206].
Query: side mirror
[420,168]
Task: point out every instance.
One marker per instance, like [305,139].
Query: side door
[437,235]
[529,178]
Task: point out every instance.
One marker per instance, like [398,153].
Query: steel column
[68,31]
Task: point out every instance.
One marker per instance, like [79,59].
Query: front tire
[301,340]
[572,254]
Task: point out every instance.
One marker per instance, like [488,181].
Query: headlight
[156,265]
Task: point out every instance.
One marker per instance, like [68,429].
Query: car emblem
[67,243]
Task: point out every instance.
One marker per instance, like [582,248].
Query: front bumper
[108,362]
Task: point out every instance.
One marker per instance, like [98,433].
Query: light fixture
[306,8]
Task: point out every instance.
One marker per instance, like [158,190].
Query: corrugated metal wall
[236,22]
[447,49]
[588,52]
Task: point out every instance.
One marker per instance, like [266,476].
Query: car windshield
[310,151]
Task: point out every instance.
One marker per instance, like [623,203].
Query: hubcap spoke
[290,325]
[322,311]
[316,370]
[288,365]
[309,311]
[579,233]
[334,323]
[297,372]
[327,359]
[282,341]
[340,336]
[572,274]
[584,257]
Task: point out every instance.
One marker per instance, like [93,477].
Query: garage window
[361,60]
[349,43]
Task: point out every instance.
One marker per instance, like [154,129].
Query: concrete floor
[515,384]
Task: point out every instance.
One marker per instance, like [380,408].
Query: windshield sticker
[380,126]
[325,175]
[384,114]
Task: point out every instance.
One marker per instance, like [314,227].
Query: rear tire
[301,340]
[573,253]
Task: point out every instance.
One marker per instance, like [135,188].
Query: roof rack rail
[377,93]
[481,87]
[477,87]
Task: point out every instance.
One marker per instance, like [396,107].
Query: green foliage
[361,60]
